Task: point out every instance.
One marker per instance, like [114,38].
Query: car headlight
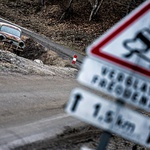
[2,37]
[21,44]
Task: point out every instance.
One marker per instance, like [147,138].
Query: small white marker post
[74,59]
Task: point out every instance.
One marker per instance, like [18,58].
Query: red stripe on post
[74,59]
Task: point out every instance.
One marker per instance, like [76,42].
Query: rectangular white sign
[111,80]
[109,116]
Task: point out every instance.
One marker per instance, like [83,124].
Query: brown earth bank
[73,31]
[33,50]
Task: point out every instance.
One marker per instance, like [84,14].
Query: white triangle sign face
[127,44]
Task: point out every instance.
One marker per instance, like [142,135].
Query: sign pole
[105,137]
[104,140]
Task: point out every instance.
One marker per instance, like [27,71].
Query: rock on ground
[11,63]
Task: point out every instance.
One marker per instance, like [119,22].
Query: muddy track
[69,139]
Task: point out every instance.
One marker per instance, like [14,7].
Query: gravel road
[31,105]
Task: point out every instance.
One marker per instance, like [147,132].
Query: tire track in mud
[71,138]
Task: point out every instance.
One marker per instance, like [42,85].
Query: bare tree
[41,2]
[95,7]
[67,9]
[96,4]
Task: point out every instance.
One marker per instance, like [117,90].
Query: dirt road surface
[31,108]
[32,111]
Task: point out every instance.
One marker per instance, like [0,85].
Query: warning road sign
[118,65]
[127,44]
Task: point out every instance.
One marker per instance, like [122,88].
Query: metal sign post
[104,140]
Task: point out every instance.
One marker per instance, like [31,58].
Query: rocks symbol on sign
[139,45]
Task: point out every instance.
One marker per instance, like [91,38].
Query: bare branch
[96,5]
[41,2]
[67,9]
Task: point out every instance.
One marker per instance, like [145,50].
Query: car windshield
[10,30]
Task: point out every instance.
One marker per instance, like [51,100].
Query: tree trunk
[41,2]
[96,5]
